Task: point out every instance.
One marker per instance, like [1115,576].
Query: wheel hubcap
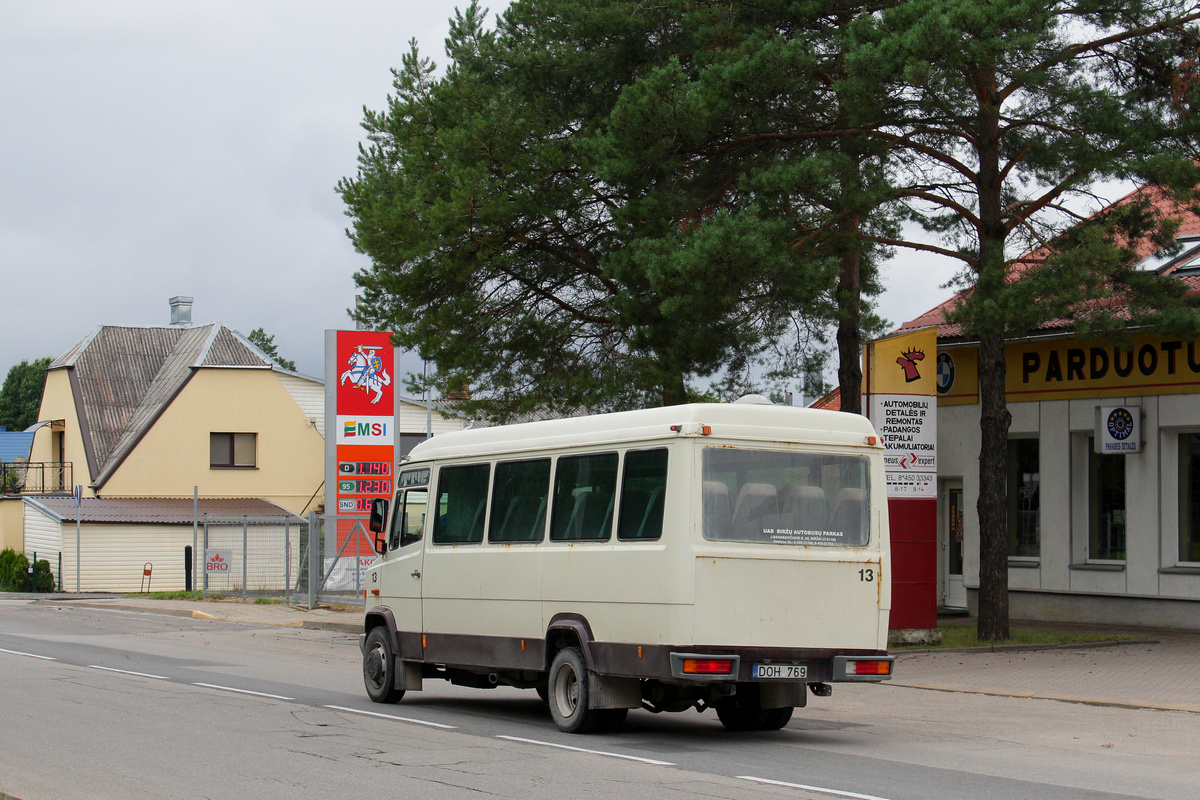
[375,667]
[567,691]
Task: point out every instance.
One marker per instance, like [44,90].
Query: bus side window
[643,488]
[409,522]
[519,501]
[584,491]
[461,497]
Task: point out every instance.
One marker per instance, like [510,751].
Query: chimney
[181,311]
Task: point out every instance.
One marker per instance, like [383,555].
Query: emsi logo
[356,428]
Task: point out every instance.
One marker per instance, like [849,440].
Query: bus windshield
[786,498]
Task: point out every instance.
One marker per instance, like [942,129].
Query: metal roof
[157,510]
[123,378]
[14,445]
[1189,227]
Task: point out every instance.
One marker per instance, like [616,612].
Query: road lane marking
[243,691]
[390,716]
[27,655]
[821,789]
[130,672]
[585,750]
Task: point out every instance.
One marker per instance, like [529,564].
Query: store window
[1024,509]
[232,450]
[1189,497]
[1106,505]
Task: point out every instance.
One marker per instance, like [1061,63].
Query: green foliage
[21,395]
[14,573]
[259,338]
[1014,110]
[599,204]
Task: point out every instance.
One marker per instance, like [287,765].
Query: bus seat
[588,516]
[524,519]
[457,525]
[651,524]
[757,509]
[850,515]
[805,509]
[716,510]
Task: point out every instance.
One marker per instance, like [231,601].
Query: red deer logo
[908,362]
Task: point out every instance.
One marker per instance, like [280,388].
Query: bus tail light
[862,668]
[707,666]
[869,667]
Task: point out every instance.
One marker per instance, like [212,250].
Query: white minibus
[726,556]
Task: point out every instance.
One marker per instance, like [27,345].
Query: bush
[14,573]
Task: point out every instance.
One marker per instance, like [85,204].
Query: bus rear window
[786,498]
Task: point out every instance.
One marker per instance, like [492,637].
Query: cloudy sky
[152,149]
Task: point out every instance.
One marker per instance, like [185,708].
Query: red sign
[366,377]
[365,417]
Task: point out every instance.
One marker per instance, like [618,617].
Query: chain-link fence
[251,555]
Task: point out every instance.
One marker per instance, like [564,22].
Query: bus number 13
[866,575]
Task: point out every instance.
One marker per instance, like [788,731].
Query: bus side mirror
[377,523]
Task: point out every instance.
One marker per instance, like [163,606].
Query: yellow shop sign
[1067,368]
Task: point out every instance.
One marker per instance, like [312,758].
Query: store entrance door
[954,595]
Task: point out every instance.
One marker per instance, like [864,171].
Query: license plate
[787,672]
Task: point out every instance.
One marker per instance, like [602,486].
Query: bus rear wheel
[379,668]
[569,697]
[741,712]
[776,718]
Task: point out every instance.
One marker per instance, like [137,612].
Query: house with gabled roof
[1104,462]
[161,411]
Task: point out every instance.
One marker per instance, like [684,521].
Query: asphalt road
[111,704]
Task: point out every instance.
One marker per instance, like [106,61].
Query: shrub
[13,566]
[14,573]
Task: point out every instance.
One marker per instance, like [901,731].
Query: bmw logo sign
[945,373]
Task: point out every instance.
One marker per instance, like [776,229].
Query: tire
[741,712]
[776,718]
[544,693]
[568,697]
[379,667]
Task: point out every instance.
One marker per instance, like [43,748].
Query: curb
[1139,705]
[1024,648]
[323,625]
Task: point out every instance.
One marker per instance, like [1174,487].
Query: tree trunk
[992,506]
[990,285]
[849,331]
[674,390]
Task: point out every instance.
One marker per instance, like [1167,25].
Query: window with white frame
[1189,497]
[1106,505]
[1024,499]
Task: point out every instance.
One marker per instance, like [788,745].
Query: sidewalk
[273,614]
[1160,670]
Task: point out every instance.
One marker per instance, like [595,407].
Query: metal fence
[336,552]
[36,477]
[258,555]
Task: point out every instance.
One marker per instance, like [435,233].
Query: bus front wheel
[379,668]
[569,700]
